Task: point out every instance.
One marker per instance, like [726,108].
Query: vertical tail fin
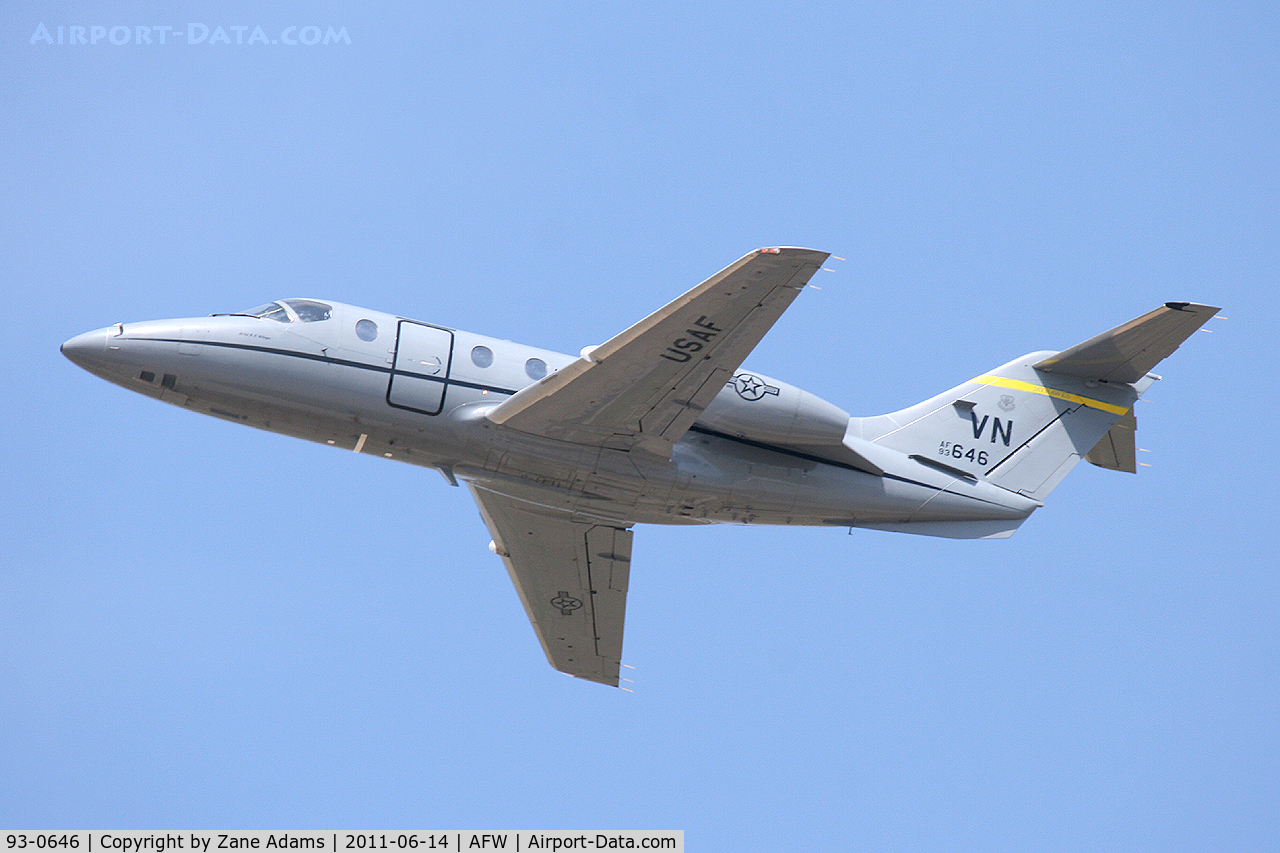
[1025,425]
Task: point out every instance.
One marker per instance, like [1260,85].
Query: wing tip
[1193,307]
[795,251]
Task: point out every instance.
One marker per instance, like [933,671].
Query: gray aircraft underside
[659,425]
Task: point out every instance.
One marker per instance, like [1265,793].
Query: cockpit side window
[310,311]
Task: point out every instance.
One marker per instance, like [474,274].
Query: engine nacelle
[758,408]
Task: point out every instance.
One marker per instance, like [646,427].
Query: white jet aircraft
[659,425]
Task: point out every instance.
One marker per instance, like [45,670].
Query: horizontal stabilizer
[1118,449]
[1129,352]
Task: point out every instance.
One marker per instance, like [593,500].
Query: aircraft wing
[645,387]
[572,579]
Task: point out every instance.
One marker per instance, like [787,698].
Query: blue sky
[205,626]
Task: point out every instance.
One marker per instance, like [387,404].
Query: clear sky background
[205,626]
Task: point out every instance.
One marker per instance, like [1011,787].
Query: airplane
[660,424]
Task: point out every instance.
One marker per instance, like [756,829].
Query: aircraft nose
[87,350]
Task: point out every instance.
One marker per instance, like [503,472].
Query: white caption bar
[337,841]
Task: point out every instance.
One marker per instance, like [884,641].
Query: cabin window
[482,356]
[366,330]
[309,311]
[536,368]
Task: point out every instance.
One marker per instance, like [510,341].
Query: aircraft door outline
[420,367]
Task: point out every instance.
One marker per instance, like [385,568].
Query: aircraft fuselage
[383,385]
[659,424]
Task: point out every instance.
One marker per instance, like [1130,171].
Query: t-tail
[1024,425]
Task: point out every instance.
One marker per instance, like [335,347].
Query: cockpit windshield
[309,311]
[270,311]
